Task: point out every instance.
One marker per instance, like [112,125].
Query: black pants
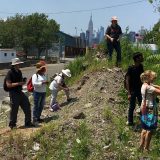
[19,99]
[114,45]
[132,104]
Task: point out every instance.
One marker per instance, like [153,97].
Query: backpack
[30,86]
[5,86]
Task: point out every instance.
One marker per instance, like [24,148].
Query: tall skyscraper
[90,29]
[101,34]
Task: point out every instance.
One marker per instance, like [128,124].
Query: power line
[96,9]
[85,10]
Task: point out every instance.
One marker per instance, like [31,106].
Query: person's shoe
[51,110]
[129,123]
[40,120]
[29,125]
[118,64]
[13,127]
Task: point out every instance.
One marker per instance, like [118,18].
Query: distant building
[87,38]
[152,47]
[101,34]
[90,30]
[131,36]
[6,55]
[73,46]
[82,36]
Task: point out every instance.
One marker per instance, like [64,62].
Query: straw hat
[16,61]
[114,18]
[40,65]
[67,72]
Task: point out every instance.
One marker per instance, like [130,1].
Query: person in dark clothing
[113,34]
[14,82]
[133,84]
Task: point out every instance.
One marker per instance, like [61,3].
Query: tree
[28,31]
[156,4]
[39,31]
[153,36]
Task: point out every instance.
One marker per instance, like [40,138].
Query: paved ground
[29,71]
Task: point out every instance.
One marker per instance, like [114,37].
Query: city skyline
[75,14]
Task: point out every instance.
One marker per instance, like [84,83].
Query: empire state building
[90,30]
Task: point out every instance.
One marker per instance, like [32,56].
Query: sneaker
[51,110]
[129,123]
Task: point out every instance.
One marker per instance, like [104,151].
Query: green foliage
[27,31]
[123,133]
[107,113]
[153,36]
[80,149]
[156,4]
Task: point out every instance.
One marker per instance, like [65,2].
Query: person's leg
[25,105]
[142,141]
[41,103]
[14,104]
[117,47]
[53,97]
[148,140]
[110,50]
[139,97]
[132,105]
[67,94]
[36,97]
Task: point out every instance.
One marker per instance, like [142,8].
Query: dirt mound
[89,96]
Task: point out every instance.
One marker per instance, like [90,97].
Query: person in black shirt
[113,34]
[14,82]
[133,84]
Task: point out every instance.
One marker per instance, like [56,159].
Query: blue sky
[134,16]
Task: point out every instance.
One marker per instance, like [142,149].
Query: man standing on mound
[113,34]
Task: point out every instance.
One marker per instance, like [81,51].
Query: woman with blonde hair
[149,111]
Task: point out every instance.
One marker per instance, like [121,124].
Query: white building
[6,55]
[152,47]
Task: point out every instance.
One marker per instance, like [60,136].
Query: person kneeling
[56,85]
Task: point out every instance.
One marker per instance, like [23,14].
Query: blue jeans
[39,101]
[132,104]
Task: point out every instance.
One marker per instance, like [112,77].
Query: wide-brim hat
[16,61]
[114,18]
[67,72]
[40,65]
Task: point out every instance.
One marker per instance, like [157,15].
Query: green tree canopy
[156,4]
[27,31]
[153,36]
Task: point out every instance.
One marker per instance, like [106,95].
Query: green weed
[80,149]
